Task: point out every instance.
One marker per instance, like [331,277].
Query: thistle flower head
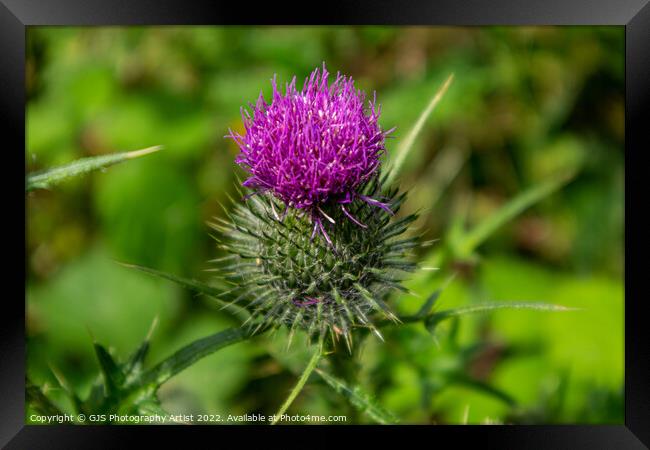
[316,154]
[313,146]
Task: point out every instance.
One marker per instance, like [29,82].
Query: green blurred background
[525,105]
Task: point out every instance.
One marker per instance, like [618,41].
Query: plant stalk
[300,384]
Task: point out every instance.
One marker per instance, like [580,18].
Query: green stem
[300,384]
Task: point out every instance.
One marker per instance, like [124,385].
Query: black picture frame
[634,15]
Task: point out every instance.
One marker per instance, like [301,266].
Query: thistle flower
[313,147]
[316,154]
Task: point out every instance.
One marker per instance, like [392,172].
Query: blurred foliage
[526,105]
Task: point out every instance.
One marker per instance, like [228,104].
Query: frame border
[16,15]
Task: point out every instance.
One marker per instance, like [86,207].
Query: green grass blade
[406,145]
[485,388]
[311,365]
[359,399]
[471,240]
[191,353]
[196,286]
[50,177]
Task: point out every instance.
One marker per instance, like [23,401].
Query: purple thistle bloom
[313,147]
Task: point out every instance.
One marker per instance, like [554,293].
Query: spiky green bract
[288,275]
